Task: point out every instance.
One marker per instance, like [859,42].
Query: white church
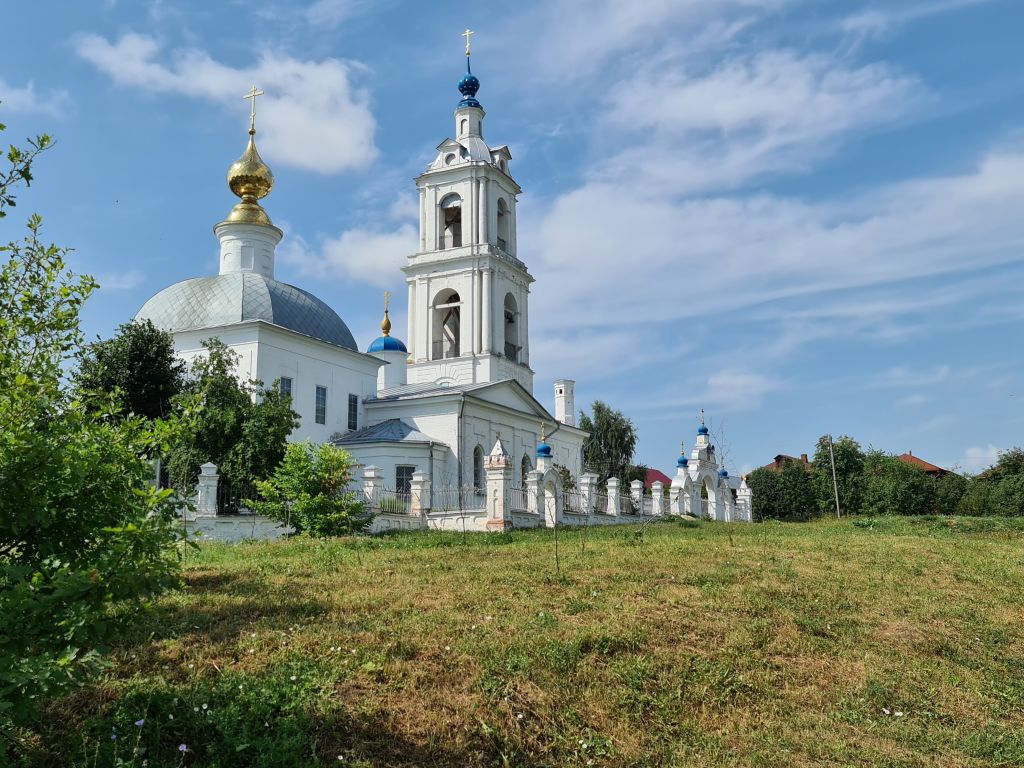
[456,404]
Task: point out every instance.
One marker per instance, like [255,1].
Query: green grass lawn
[885,642]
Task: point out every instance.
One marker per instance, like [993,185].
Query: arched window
[447,325]
[479,480]
[512,347]
[463,126]
[503,217]
[450,222]
[525,469]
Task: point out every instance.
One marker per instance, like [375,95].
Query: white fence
[464,498]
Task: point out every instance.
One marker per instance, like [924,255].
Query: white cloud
[870,23]
[26,99]
[331,13]
[364,255]
[977,458]
[121,281]
[768,112]
[691,258]
[311,116]
[903,376]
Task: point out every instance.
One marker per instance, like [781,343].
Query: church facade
[433,408]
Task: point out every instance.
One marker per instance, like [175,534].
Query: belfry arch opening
[449,217]
[503,217]
[447,325]
[511,313]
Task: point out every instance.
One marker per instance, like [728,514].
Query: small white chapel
[454,410]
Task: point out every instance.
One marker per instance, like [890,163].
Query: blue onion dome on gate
[723,472]
[682,461]
[387,342]
[543,449]
[702,430]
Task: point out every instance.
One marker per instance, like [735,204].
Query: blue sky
[804,217]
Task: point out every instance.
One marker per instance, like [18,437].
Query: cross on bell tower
[468,290]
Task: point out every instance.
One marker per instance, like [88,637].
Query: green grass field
[885,642]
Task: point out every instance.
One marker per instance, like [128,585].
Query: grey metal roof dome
[237,297]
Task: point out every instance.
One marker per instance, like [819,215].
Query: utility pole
[835,483]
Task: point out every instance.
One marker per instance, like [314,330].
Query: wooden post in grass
[835,483]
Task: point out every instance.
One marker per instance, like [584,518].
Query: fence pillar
[745,502]
[373,481]
[499,480]
[419,490]
[613,496]
[636,492]
[588,491]
[206,490]
[533,503]
[657,498]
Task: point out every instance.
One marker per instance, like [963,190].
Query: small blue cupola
[682,461]
[543,449]
[702,429]
[469,84]
[387,342]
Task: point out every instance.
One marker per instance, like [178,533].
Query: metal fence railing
[601,503]
[517,500]
[573,502]
[390,500]
[231,497]
[648,506]
[456,498]
[626,505]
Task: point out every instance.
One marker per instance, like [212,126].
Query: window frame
[320,411]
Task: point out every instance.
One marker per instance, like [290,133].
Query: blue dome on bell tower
[468,86]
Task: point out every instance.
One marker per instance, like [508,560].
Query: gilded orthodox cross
[466,35]
[252,114]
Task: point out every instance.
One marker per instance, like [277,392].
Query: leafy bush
[784,494]
[848,478]
[891,486]
[307,491]
[85,542]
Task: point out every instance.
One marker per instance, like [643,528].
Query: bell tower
[468,290]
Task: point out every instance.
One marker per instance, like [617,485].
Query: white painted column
[524,327]
[613,496]
[206,490]
[657,498]
[410,319]
[423,219]
[484,210]
[486,313]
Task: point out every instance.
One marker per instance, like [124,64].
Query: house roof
[921,464]
[656,476]
[389,431]
[423,391]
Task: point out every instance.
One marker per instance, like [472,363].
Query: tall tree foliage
[137,366]
[81,530]
[849,460]
[894,487]
[609,449]
[241,427]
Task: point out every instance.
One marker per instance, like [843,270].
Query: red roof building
[782,459]
[656,476]
[926,467]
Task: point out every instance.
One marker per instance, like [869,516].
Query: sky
[802,217]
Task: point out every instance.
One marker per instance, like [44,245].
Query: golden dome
[251,179]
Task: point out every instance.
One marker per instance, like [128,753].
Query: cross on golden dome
[252,114]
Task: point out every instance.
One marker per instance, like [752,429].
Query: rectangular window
[285,386]
[353,411]
[403,479]
[321,405]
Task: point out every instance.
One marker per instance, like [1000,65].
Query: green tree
[893,487]
[849,475]
[608,450]
[949,492]
[783,494]
[85,542]
[240,427]
[138,366]
[307,491]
